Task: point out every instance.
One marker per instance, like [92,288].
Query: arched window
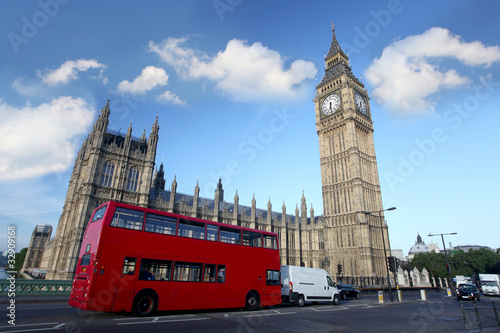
[133,178]
[107,174]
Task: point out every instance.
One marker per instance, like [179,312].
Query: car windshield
[466,288]
[489,283]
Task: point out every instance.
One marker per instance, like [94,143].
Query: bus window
[230,235]
[251,238]
[221,274]
[191,229]
[85,260]
[187,271]
[98,214]
[127,218]
[128,266]
[160,224]
[273,278]
[209,275]
[152,269]
[270,242]
[212,232]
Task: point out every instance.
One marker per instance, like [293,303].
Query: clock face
[330,104]
[360,103]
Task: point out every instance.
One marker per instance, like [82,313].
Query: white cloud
[241,72]
[150,78]
[405,80]
[69,71]
[28,86]
[40,140]
[170,98]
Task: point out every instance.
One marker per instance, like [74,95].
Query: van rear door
[285,281]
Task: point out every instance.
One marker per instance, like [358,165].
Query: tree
[435,263]
[471,263]
[20,256]
[474,262]
[495,269]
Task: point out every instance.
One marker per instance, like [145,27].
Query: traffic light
[339,269]
[391,262]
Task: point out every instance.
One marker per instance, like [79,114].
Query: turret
[128,137]
[253,213]
[143,139]
[312,214]
[173,191]
[100,126]
[269,214]
[303,209]
[236,208]
[153,140]
[196,199]
[159,181]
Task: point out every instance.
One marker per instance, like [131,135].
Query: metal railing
[36,287]
[480,315]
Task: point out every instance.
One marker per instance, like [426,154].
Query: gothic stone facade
[109,166]
[112,166]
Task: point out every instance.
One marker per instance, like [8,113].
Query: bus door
[124,282]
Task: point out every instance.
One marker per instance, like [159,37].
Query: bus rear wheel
[145,304]
[252,301]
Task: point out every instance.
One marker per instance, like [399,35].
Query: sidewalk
[34,299]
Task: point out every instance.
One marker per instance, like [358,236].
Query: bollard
[400,296]
[423,295]
[381,297]
[448,292]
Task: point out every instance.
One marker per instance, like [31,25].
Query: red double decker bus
[142,260]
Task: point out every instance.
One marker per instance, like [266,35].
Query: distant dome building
[419,247]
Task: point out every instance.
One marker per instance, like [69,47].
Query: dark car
[468,291]
[346,290]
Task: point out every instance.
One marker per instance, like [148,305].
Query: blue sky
[232,83]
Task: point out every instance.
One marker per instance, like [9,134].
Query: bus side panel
[246,271]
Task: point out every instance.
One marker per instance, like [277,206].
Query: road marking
[14,328]
[157,317]
[161,321]
[31,325]
[272,313]
[363,305]
[337,308]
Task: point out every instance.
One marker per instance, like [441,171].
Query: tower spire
[105,110]
[336,63]
[335,46]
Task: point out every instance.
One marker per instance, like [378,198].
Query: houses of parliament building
[114,166]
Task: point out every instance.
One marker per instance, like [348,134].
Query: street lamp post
[447,261]
[383,243]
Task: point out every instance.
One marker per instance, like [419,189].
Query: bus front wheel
[252,301]
[145,304]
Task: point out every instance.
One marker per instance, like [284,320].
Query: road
[438,314]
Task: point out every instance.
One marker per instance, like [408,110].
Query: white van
[301,284]
[489,282]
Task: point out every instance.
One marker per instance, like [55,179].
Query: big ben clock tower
[349,175]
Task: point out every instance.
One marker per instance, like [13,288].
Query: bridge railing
[35,287]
